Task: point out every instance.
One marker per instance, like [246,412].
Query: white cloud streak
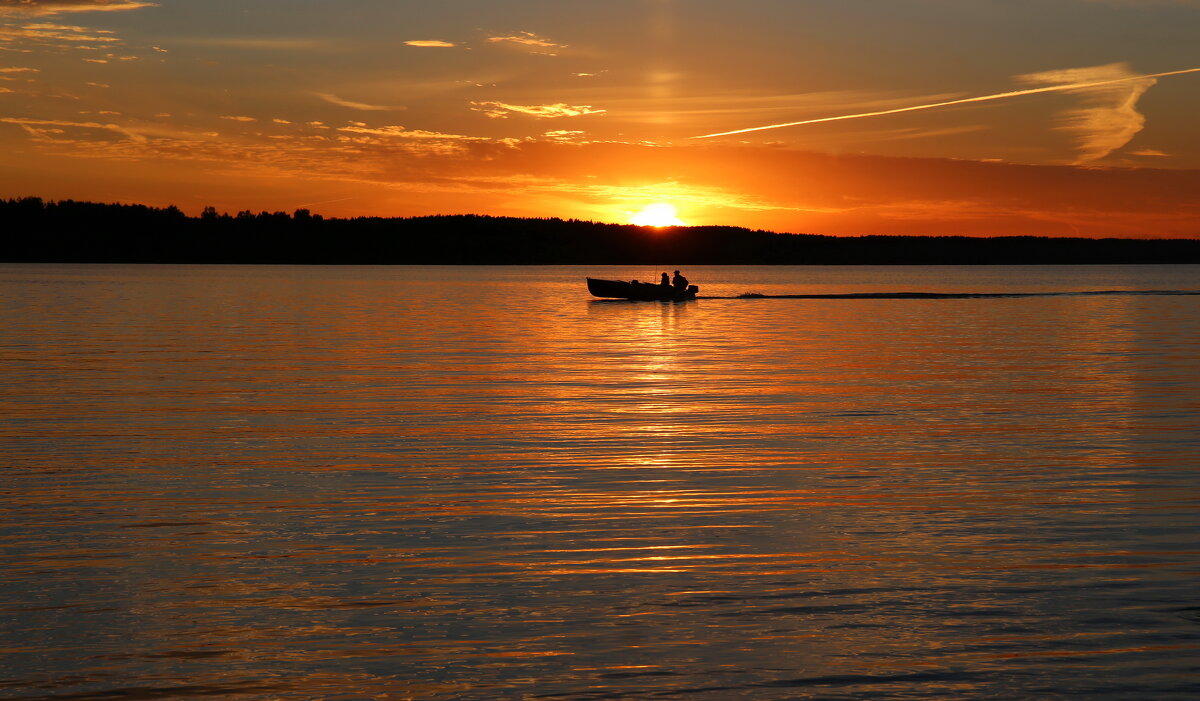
[335,100]
[1083,85]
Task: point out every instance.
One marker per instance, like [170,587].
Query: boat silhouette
[643,291]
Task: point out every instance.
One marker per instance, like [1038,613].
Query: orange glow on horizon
[658,215]
[117,106]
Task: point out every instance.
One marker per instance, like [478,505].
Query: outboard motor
[693,289]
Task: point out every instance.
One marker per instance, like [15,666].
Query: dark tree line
[86,232]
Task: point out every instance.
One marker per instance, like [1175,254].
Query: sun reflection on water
[372,484]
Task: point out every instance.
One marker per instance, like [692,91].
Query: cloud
[334,99]
[259,43]
[238,118]
[1109,118]
[1149,152]
[529,40]
[500,110]
[39,124]
[46,33]
[20,70]
[401,132]
[44,8]
[430,43]
[564,135]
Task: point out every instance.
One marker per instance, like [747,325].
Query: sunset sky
[1086,122]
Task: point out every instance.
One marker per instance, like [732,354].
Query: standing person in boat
[679,281]
[666,280]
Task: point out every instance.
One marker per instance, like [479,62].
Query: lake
[276,482]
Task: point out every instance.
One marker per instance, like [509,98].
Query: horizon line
[45,202]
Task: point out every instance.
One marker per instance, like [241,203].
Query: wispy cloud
[42,125]
[259,43]
[530,41]
[1095,127]
[430,43]
[403,133]
[19,70]
[238,118]
[42,8]
[47,33]
[400,140]
[1109,118]
[335,100]
[564,135]
[500,110]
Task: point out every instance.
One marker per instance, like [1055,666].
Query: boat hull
[643,291]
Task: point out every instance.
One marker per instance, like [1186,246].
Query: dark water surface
[436,483]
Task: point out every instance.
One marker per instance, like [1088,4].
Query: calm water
[439,483]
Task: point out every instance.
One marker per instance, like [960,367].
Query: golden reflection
[386,484]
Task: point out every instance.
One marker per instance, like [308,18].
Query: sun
[657,214]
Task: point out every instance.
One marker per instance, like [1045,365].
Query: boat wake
[960,295]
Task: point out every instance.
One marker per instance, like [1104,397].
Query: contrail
[310,204]
[981,98]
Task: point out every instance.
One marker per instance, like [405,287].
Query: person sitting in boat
[679,281]
[666,280]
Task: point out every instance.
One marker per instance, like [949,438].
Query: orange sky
[1063,117]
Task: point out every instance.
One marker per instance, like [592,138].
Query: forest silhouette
[69,231]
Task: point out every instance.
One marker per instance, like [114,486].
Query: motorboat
[644,291]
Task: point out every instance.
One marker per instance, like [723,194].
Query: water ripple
[438,483]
